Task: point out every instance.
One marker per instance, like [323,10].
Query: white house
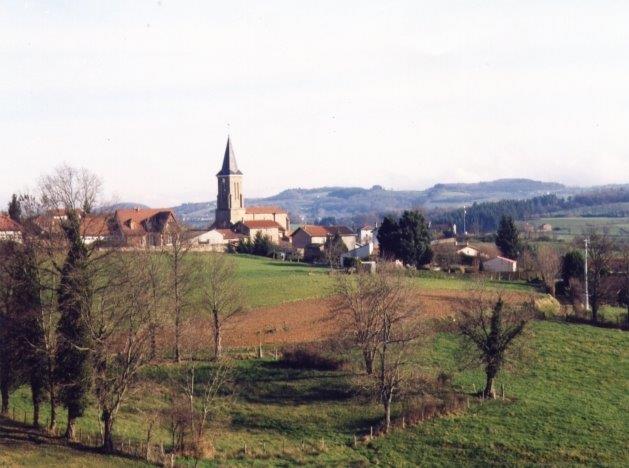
[360,252]
[216,238]
[500,265]
[368,234]
[468,251]
[9,229]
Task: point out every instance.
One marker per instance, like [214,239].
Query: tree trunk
[177,336]
[387,415]
[53,407]
[108,435]
[489,391]
[5,398]
[71,428]
[36,413]
[218,345]
[368,357]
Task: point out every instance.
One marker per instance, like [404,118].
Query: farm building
[500,265]
[310,234]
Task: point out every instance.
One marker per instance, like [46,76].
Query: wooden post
[502,387]
[371,432]
[474,389]
[355,441]
[468,402]
[245,449]
[403,423]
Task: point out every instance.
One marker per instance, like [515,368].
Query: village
[237,224]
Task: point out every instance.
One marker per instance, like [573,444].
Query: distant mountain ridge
[307,205]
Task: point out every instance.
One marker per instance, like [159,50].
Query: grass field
[569,227]
[567,405]
[269,282]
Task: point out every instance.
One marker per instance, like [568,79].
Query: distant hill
[350,202]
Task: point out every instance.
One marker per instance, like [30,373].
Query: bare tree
[69,188]
[381,317]
[548,264]
[120,326]
[181,276]
[355,308]
[222,296]
[489,328]
[600,258]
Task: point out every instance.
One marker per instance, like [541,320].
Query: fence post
[502,387]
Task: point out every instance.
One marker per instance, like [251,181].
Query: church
[231,213]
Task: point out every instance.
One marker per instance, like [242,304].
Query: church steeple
[229,161]
[230,204]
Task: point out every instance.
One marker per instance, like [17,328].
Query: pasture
[569,227]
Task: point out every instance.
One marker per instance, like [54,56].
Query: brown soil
[310,320]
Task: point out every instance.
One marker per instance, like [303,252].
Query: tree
[414,239]
[548,265]
[507,238]
[75,295]
[181,277]
[379,316]
[488,334]
[600,256]
[334,248]
[221,296]
[572,266]
[15,209]
[623,293]
[120,326]
[262,245]
[388,237]
[71,189]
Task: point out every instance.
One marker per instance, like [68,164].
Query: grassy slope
[569,227]
[569,406]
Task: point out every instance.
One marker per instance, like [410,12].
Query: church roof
[229,161]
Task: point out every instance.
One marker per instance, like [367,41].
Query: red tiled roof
[8,225]
[265,210]
[323,231]
[133,222]
[261,224]
[96,226]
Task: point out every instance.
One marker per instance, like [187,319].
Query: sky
[404,94]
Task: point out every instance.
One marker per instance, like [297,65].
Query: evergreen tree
[572,266]
[507,238]
[414,239]
[9,342]
[74,299]
[262,245]
[15,209]
[388,237]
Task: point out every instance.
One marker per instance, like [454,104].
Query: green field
[268,282]
[567,405]
[569,227]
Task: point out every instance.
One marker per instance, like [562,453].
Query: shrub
[309,357]
[547,307]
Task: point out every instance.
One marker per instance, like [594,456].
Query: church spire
[229,161]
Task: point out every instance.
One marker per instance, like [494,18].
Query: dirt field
[310,320]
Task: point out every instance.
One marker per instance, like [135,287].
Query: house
[145,227]
[500,265]
[9,229]
[267,228]
[214,239]
[360,252]
[368,234]
[545,227]
[269,213]
[96,228]
[468,251]
[311,234]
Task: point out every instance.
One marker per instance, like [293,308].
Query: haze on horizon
[404,94]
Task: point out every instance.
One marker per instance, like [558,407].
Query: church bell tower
[230,202]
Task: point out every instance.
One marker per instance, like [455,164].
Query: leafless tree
[548,265]
[489,328]
[381,316]
[69,188]
[181,282]
[120,326]
[221,294]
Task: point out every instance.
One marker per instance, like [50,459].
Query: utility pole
[587,293]
[464,227]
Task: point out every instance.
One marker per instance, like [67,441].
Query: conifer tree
[507,238]
[74,298]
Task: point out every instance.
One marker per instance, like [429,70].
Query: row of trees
[78,323]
